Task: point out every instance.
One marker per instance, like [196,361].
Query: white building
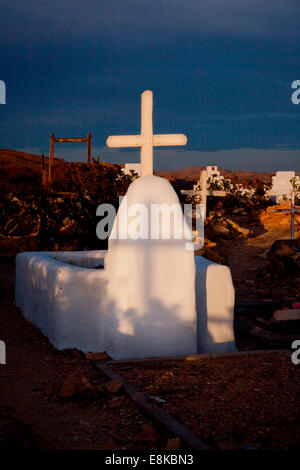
[282,186]
[132,166]
[213,177]
[212,172]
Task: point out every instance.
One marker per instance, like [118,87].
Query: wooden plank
[265,335]
[210,192]
[286,315]
[70,139]
[216,193]
[155,413]
[194,357]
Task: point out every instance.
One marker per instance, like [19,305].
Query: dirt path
[248,267]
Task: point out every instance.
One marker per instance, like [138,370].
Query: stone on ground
[76,386]
[114,386]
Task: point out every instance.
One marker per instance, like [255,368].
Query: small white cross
[292,211]
[146,140]
[203,184]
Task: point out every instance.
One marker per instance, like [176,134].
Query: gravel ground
[234,402]
[249,267]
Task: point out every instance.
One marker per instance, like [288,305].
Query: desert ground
[53,399]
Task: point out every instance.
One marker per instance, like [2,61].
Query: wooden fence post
[89,137]
[44,173]
[51,157]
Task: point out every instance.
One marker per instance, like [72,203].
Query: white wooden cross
[203,183]
[146,140]
[292,211]
[204,192]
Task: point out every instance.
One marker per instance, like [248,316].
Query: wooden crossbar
[70,139]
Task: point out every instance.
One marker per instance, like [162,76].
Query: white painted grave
[153,297]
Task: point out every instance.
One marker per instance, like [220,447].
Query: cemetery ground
[53,399]
[231,402]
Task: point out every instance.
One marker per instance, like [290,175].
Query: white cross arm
[124,141]
[160,140]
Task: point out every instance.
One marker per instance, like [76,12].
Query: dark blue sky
[221,72]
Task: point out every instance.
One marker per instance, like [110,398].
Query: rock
[271,218]
[147,435]
[279,244]
[239,210]
[116,402]
[95,357]
[225,227]
[208,243]
[192,379]
[219,212]
[285,220]
[173,444]
[284,251]
[264,255]
[296,256]
[243,231]
[114,386]
[221,231]
[76,386]
[72,353]
[283,257]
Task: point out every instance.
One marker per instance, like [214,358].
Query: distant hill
[16,165]
[192,173]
